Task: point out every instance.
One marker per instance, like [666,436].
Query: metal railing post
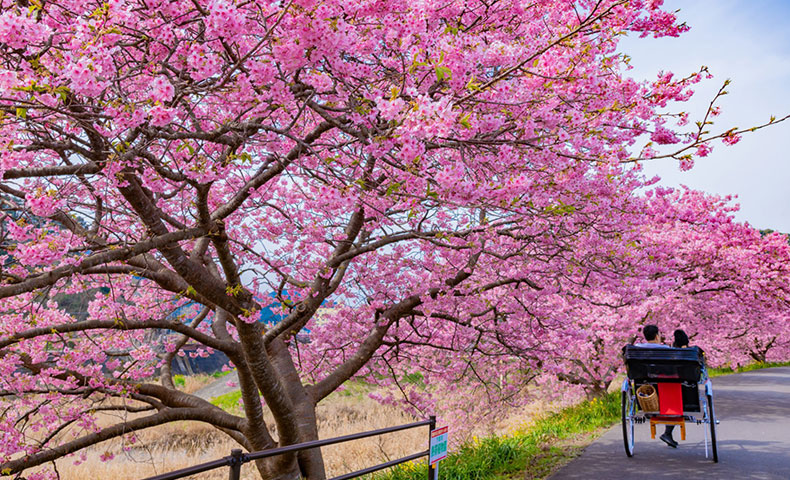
[431,428]
[236,463]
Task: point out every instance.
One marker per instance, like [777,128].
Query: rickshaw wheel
[712,420]
[628,422]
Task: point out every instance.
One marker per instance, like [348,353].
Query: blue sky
[747,41]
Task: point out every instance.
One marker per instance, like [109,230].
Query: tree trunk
[275,376]
[758,355]
[311,462]
[594,391]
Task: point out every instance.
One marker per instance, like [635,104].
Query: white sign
[438,445]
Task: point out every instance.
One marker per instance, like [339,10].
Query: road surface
[219,386]
[753,438]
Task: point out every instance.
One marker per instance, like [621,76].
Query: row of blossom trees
[460,178]
[723,282]
[691,266]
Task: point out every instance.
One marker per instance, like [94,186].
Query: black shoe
[668,440]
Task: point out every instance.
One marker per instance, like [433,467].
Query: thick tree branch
[55,170]
[209,341]
[49,278]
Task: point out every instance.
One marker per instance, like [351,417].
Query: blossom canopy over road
[457,176]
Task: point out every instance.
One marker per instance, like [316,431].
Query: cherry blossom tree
[732,284]
[445,172]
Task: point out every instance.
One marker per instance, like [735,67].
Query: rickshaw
[679,380]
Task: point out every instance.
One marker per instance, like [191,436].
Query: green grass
[528,452]
[228,401]
[179,380]
[717,372]
[355,389]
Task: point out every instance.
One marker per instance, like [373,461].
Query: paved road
[219,386]
[753,439]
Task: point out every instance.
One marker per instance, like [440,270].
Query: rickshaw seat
[663,365]
[670,406]
[670,399]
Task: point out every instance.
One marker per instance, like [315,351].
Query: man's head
[651,333]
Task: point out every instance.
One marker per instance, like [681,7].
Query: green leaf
[464,120]
[21,112]
[443,73]
[63,93]
[393,187]
[430,193]
[472,84]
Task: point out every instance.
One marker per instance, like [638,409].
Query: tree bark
[311,462]
[278,401]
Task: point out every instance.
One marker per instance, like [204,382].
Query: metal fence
[237,458]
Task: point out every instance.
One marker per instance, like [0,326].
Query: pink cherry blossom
[731,139]
[161,89]
[161,116]
[704,150]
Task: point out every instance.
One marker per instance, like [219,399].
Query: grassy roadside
[717,372]
[540,448]
[534,450]
[229,401]
[531,452]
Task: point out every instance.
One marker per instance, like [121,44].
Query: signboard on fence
[438,445]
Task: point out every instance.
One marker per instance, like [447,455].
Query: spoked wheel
[628,422]
[712,423]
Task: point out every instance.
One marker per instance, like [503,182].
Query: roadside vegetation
[537,449]
[228,401]
[193,383]
[717,372]
[532,447]
[532,450]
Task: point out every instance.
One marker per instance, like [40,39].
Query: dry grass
[347,415]
[182,444]
[148,460]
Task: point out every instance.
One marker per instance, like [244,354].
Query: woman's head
[681,339]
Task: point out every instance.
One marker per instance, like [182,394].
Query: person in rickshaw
[681,340]
[652,338]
